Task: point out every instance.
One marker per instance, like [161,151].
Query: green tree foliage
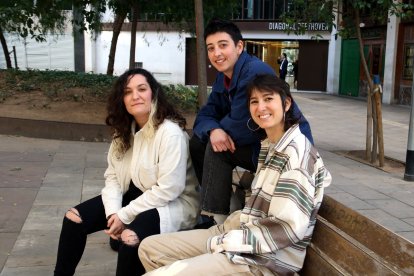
[30,19]
[33,19]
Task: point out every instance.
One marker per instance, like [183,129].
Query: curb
[54,130]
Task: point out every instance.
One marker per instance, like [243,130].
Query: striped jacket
[277,223]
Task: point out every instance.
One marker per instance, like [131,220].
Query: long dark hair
[273,84]
[120,120]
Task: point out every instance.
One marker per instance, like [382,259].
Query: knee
[130,238]
[73,215]
[146,253]
[142,249]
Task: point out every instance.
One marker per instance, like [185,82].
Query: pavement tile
[28,271]
[38,248]
[386,185]
[68,195]
[351,201]
[393,207]
[28,144]
[94,174]
[45,218]
[332,190]
[34,248]
[388,221]
[91,188]
[15,204]
[96,160]
[68,157]
[406,197]
[65,166]
[26,156]
[362,192]
[56,179]
[7,241]
[407,235]
[76,147]
[409,220]
[22,174]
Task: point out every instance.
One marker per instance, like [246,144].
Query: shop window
[265,9]
[408,61]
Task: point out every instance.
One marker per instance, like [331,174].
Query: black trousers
[214,171]
[73,236]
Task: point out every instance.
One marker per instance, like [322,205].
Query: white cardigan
[161,168]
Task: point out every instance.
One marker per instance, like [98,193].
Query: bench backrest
[347,243]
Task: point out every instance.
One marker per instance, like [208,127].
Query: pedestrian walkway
[42,178]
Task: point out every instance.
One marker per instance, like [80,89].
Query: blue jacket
[227,109]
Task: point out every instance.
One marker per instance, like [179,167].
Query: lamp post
[409,160]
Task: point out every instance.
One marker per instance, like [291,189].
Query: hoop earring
[248,126]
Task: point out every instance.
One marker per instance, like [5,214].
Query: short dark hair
[120,120]
[284,54]
[217,25]
[273,84]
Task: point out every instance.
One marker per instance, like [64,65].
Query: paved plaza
[41,179]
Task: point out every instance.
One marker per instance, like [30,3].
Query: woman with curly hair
[150,184]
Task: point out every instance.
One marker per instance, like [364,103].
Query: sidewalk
[42,178]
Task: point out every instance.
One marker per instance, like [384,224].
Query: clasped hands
[231,242]
[115,225]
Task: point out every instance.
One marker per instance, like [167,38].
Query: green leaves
[24,18]
[372,12]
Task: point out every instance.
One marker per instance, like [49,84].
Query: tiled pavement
[41,179]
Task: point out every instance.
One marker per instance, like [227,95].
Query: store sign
[315,26]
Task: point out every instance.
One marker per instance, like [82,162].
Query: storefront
[353,81]
[268,40]
[404,71]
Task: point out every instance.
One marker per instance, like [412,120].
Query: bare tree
[201,53]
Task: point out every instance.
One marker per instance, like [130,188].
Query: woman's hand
[116,226]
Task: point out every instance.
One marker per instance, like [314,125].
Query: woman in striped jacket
[271,233]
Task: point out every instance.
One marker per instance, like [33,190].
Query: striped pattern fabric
[279,218]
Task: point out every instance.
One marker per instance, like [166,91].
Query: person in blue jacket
[224,135]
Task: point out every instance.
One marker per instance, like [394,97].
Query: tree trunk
[368,139]
[374,131]
[117,26]
[201,54]
[133,36]
[375,105]
[5,50]
[381,156]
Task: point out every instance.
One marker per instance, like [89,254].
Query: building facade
[328,63]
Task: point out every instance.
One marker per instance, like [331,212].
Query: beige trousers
[185,253]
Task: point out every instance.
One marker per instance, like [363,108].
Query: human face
[137,98]
[223,53]
[267,112]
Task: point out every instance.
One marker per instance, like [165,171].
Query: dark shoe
[205,222]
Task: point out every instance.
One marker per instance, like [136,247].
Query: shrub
[76,86]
